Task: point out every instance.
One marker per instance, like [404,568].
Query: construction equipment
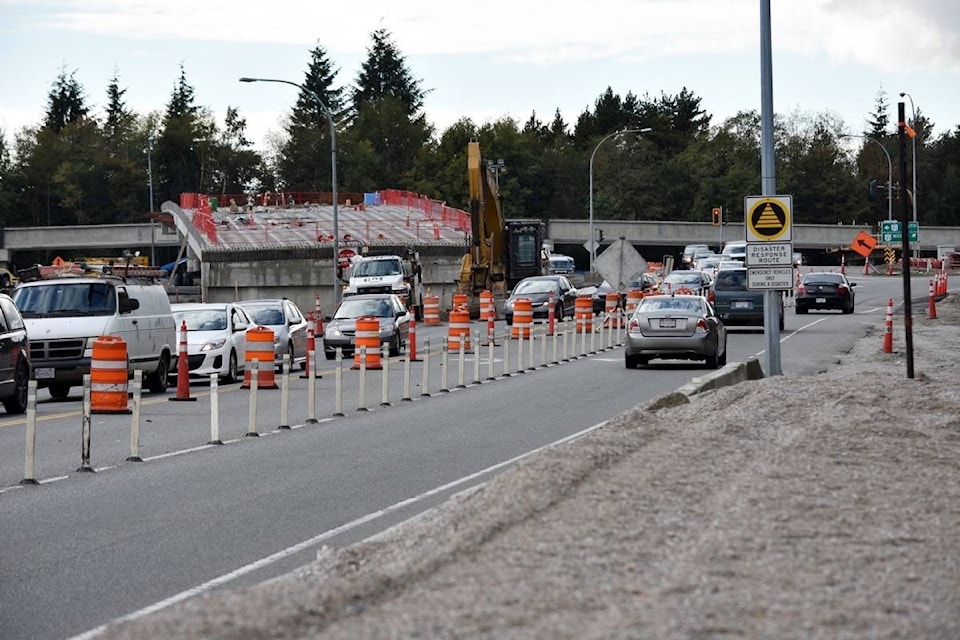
[501,252]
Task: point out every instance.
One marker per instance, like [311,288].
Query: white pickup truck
[388,274]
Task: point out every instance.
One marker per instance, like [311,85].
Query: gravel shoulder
[822,506]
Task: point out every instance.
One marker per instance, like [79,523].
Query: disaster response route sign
[769,254]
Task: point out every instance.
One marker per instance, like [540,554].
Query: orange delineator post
[108,376]
[412,348]
[183,368]
[888,332]
[260,348]
[311,347]
[551,315]
[932,308]
[367,335]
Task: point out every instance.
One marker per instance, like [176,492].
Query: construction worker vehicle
[501,252]
[400,275]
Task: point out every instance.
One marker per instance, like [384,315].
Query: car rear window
[731,281]
[824,277]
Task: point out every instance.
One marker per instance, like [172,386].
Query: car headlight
[333,332]
[508,305]
[211,345]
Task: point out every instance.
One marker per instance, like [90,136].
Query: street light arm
[333,175]
[889,170]
[592,241]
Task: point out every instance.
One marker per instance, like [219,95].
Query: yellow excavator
[501,252]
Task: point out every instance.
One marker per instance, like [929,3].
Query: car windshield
[351,309]
[534,286]
[66,299]
[680,305]
[368,268]
[201,319]
[265,315]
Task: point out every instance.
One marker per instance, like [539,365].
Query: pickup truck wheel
[59,390]
[157,381]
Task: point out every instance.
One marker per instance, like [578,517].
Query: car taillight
[841,289]
[801,289]
[702,325]
[711,296]
[634,325]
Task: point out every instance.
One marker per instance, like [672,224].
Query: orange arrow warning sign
[863,244]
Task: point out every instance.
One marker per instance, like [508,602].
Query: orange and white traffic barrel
[459,329]
[634,296]
[459,300]
[583,313]
[108,376]
[367,335]
[260,348]
[522,318]
[611,307]
[431,309]
[487,308]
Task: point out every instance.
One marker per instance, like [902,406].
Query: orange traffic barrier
[932,308]
[522,318]
[487,308]
[583,313]
[459,300]
[108,375]
[888,332]
[260,348]
[613,320]
[634,296]
[431,309]
[459,329]
[367,335]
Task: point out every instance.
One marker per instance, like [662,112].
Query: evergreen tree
[879,121]
[119,122]
[303,162]
[65,102]
[388,123]
[177,153]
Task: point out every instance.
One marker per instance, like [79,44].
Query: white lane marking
[793,333]
[306,544]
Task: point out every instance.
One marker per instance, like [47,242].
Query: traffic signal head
[716,216]
[873,189]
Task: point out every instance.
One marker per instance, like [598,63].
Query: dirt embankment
[817,507]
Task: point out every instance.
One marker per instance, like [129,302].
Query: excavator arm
[484,265]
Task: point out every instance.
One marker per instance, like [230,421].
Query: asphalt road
[82,549]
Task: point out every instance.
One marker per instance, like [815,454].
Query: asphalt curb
[733,373]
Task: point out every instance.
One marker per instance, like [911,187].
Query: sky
[485,61]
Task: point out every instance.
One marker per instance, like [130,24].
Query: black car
[14,357]
[825,290]
[538,290]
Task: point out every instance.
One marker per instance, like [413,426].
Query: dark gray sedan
[671,327]
[389,309]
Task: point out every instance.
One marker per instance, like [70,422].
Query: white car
[289,327]
[216,338]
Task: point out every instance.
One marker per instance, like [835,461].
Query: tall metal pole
[768,182]
[913,113]
[593,241]
[333,176]
[153,250]
[905,246]
[889,170]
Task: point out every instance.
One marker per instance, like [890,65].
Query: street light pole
[914,143]
[333,176]
[593,240]
[889,171]
[153,252]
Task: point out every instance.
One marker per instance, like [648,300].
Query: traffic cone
[888,332]
[183,367]
[866,266]
[311,348]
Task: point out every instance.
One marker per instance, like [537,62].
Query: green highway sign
[892,231]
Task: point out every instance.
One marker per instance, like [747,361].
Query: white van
[65,315]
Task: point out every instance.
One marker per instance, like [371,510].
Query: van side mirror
[129,304]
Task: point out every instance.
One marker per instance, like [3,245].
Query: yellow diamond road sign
[768,218]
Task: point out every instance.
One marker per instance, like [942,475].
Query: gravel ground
[822,506]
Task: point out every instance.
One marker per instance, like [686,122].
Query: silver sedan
[672,327]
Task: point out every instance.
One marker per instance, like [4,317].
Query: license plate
[44,373]
[742,304]
[821,300]
[668,323]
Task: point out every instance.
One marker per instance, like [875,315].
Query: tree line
[81,167]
